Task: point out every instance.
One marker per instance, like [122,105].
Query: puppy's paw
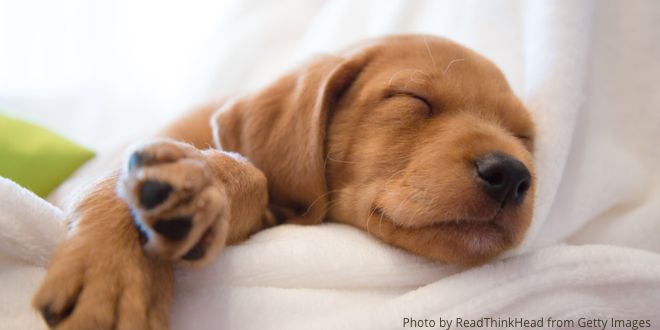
[99,288]
[178,206]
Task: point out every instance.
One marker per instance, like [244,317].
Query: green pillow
[37,158]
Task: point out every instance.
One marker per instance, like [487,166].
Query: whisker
[456,60]
[318,199]
[373,210]
[380,224]
[402,157]
[339,160]
[428,49]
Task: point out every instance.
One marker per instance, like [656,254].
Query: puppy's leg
[99,278]
[186,203]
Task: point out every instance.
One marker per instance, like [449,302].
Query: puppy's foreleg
[105,275]
[99,278]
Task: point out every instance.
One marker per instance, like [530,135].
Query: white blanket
[589,71]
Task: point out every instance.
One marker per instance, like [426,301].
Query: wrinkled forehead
[433,61]
[447,74]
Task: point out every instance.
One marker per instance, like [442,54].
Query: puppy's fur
[383,137]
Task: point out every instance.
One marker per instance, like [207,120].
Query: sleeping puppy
[414,139]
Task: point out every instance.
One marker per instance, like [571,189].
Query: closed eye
[528,141]
[415,96]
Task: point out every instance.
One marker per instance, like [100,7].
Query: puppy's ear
[281,130]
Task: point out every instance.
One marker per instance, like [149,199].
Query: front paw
[104,286]
[178,206]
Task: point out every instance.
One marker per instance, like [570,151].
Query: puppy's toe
[73,298]
[88,288]
[52,316]
[58,295]
[155,152]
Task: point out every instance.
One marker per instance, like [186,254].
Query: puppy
[414,139]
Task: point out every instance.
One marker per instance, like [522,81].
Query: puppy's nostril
[494,179]
[153,193]
[174,229]
[523,187]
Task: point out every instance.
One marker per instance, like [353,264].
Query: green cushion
[37,158]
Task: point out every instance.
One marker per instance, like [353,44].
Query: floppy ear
[281,130]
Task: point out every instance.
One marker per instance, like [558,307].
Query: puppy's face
[414,139]
[430,151]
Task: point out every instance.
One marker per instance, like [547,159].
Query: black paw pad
[196,253]
[174,229]
[153,193]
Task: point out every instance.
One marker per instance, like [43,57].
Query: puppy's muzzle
[503,177]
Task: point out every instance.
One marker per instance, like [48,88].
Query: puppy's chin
[456,241]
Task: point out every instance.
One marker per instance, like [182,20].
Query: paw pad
[175,229]
[196,253]
[153,193]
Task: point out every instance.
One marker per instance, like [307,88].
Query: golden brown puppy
[414,139]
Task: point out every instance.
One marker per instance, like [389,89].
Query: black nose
[504,178]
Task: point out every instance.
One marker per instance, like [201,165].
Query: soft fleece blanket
[589,71]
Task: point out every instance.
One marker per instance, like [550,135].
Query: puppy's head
[414,139]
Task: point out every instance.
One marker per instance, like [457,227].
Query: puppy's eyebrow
[411,78]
